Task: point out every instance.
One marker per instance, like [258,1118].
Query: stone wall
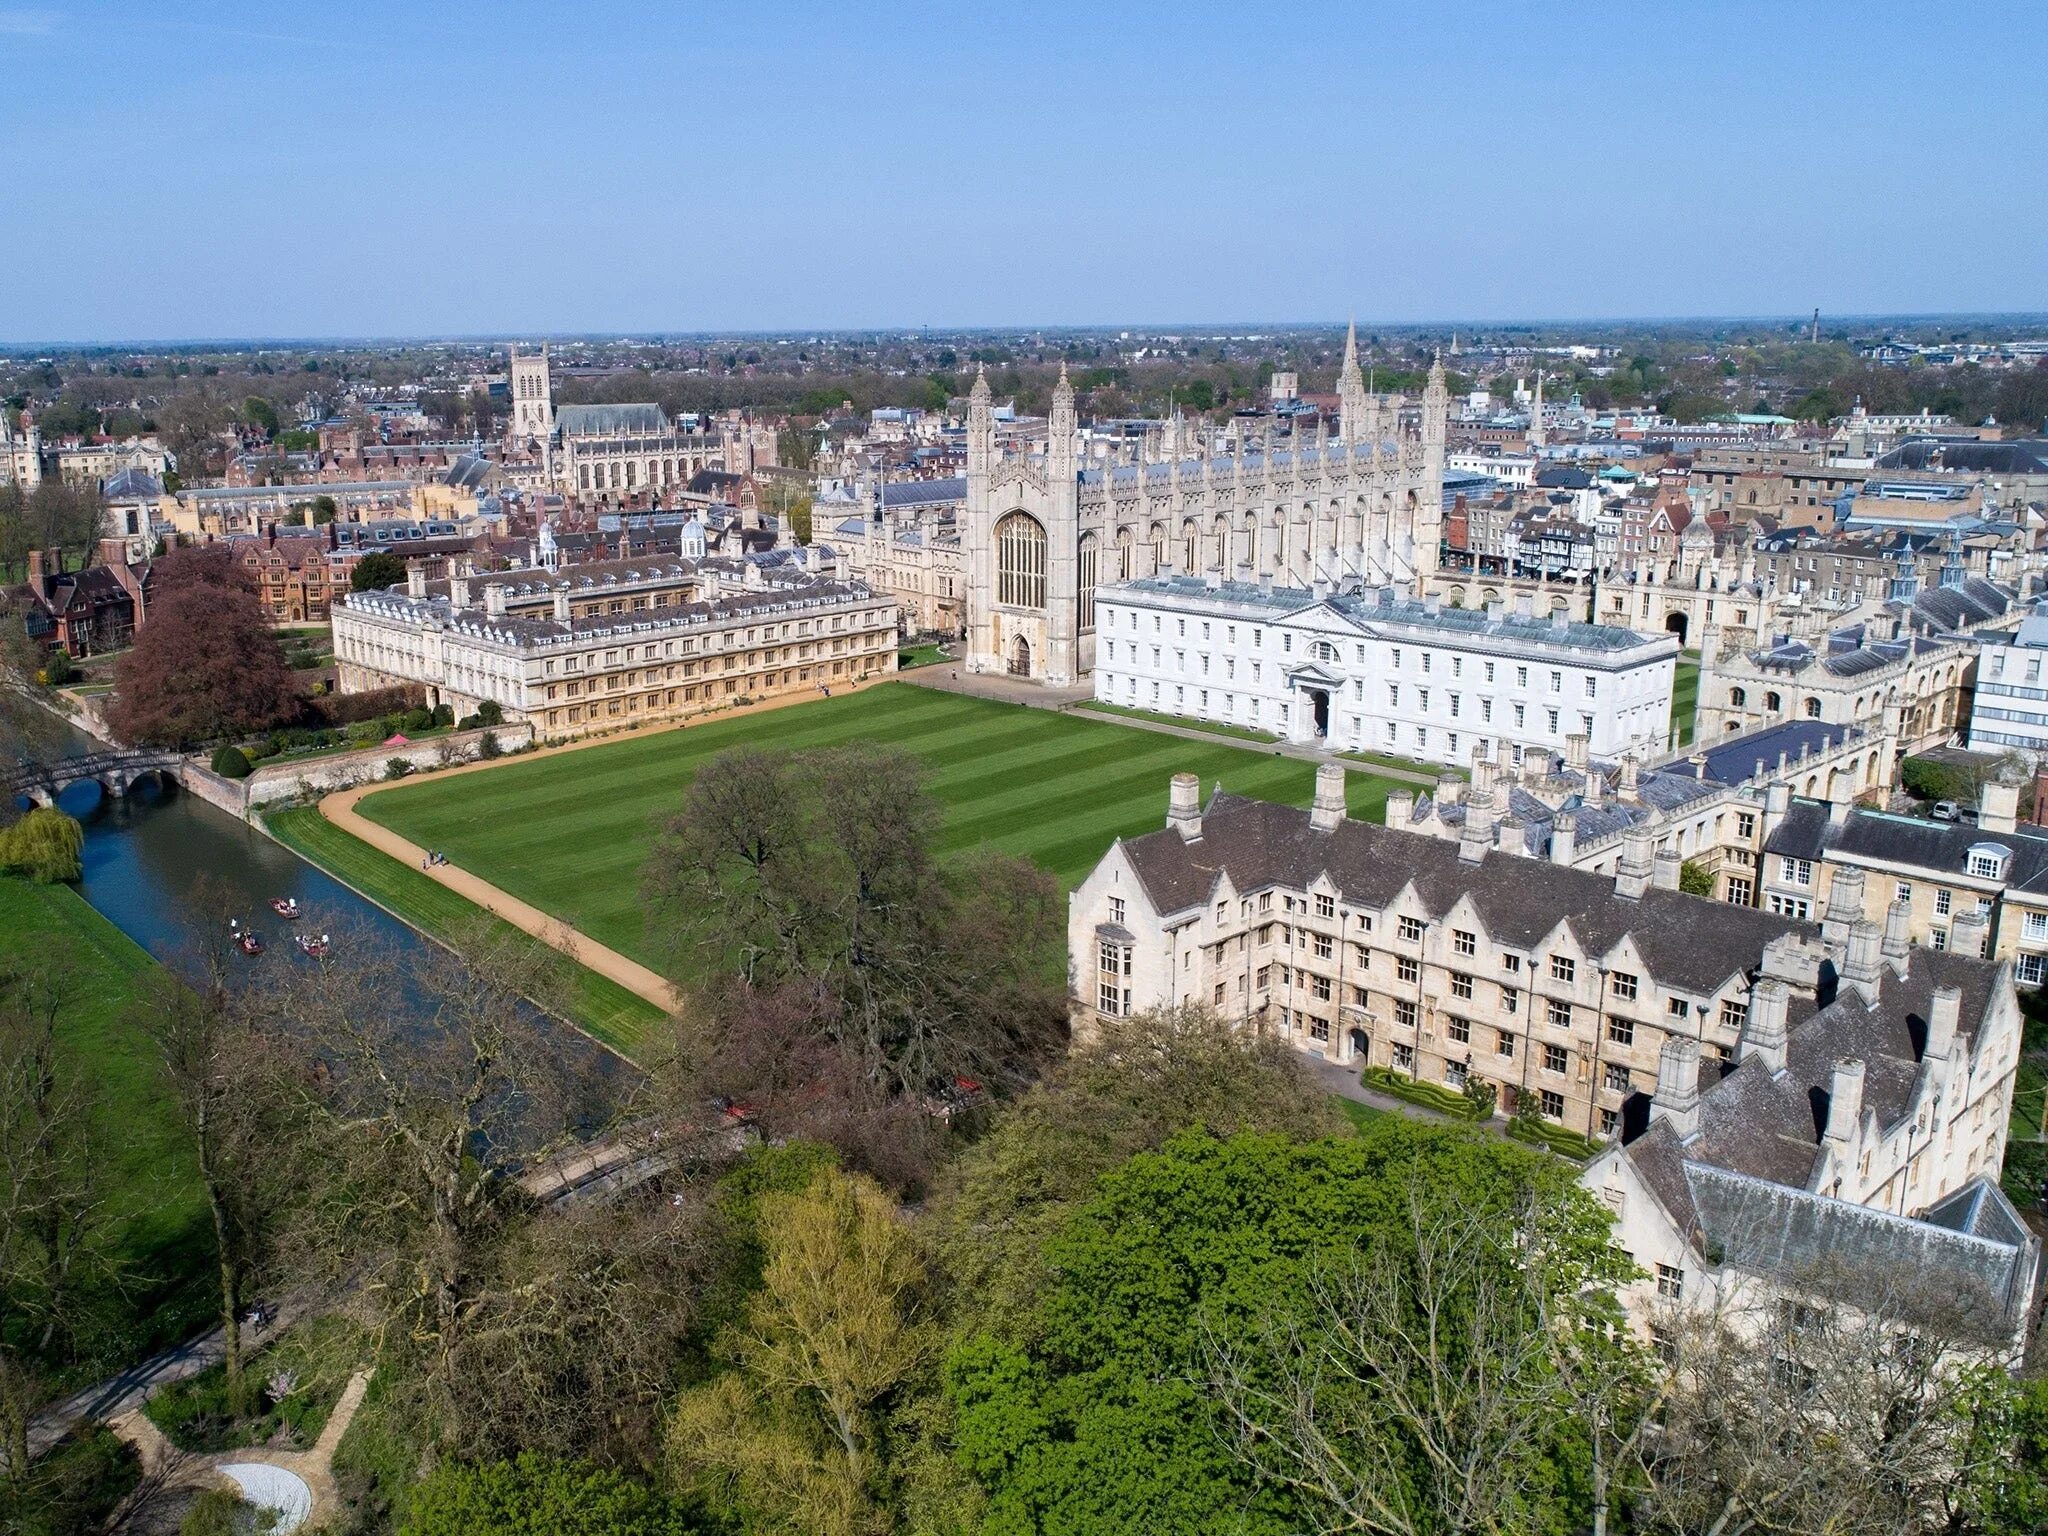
[310,777]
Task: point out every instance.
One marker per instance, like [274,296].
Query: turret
[1352,409]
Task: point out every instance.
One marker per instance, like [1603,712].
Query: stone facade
[1041,532]
[597,647]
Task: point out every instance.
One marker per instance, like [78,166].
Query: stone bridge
[115,772]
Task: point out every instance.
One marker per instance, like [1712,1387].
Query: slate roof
[919,493]
[2012,458]
[1952,608]
[1942,846]
[1741,1188]
[607,420]
[1689,943]
[133,484]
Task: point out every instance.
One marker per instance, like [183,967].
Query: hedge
[231,762]
[1559,1140]
[1445,1101]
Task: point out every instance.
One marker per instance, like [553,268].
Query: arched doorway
[1675,624]
[1319,702]
[1020,658]
[1360,1045]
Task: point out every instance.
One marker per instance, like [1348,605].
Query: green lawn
[1685,698]
[1360,1115]
[156,1216]
[599,1006]
[569,833]
[927,654]
[1212,727]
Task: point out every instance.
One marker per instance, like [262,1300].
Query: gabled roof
[1941,847]
[1688,943]
[606,420]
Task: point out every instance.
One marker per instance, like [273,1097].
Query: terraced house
[595,647]
[1365,945]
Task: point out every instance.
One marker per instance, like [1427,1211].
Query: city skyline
[797,168]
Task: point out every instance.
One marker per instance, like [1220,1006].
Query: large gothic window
[1020,562]
[1087,563]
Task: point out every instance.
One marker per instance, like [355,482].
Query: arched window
[1087,564]
[1020,562]
[1737,697]
[1773,703]
[1813,709]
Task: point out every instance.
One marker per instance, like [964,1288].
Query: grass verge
[599,1006]
[155,1226]
[1556,1138]
[1183,722]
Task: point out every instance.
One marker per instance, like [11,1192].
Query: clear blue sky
[196,169]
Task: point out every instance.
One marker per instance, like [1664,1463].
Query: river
[147,853]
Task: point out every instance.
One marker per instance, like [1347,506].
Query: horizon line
[496,338]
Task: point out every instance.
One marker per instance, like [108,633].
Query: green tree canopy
[1106,1421]
[378,569]
[533,1496]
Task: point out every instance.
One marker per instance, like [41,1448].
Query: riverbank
[155,1228]
[607,1012]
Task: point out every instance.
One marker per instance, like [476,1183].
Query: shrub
[489,712]
[44,846]
[59,669]
[343,708]
[224,1512]
[231,762]
[488,746]
[468,723]
[534,1496]
[75,1489]
[1540,1133]
[397,768]
[444,714]
[1446,1101]
[1695,879]
[420,719]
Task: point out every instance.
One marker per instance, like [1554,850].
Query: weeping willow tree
[44,845]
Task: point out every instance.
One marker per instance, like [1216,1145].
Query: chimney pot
[1184,805]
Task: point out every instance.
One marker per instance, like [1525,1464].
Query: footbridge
[116,772]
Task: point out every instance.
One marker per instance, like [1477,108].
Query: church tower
[533,400]
[1429,511]
[1353,405]
[976,525]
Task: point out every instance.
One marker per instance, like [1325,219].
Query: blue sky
[192,169]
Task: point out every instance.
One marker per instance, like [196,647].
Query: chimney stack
[1898,929]
[415,579]
[1577,750]
[1677,1100]
[1845,906]
[494,599]
[1400,807]
[1763,1032]
[1864,967]
[1967,933]
[1627,789]
[1664,870]
[1482,766]
[1632,875]
[1477,836]
[1845,1103]
[1184,806]
[561,605]
[1998,806]
[1328,811]
[1564,837]
[36,569]
[1944,1014]
[458,592]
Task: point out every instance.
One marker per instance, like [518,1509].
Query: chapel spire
[1352,399]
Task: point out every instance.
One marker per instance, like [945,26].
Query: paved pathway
[636,978]
[1075,700]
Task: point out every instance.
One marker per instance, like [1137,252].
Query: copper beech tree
[205,664]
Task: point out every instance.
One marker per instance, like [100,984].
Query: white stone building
[595,647]
[1373,671]
[1041,531]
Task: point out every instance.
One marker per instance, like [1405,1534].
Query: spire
[1350,368]
[979,394]
[1063,392]
[1351,391]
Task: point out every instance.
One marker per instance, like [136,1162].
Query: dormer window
[1989,861]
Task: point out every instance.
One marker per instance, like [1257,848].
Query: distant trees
[52,516]
[204,665]
[536,1496]
[378,569]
